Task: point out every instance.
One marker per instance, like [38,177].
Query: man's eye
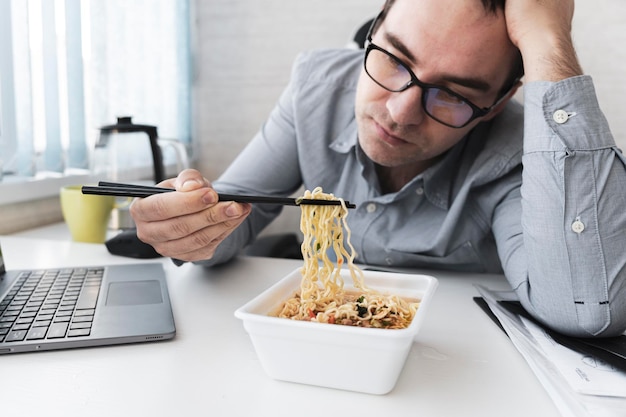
[447,97]
[394,66]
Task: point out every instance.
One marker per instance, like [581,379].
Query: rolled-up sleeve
[573,212]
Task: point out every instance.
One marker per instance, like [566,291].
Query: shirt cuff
[564,116]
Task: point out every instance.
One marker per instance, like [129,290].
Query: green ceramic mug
[87,216]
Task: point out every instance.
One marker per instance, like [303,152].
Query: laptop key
[36,333]
[82,319]
[57,330]
[8,319]
[78,332]
[16,336]
[9,316]
[86,312]
[86,325]
[88,297]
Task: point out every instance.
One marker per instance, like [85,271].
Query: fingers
[187,224]
[193,236]
[538,20]
[192,176]
[190,179]
[165,206]
[198,195]
[221,217]
[201,244]
[541,29]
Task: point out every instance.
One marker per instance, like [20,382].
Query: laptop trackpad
[134,293]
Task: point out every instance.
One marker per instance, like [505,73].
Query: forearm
[267,166]
[573,216]
[553,60]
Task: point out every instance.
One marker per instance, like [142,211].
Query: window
[68,67]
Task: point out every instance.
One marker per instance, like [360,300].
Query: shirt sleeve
[253,173]
[573,272]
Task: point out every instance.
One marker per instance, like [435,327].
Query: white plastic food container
[359,359]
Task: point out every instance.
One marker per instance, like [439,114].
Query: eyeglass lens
[391,74]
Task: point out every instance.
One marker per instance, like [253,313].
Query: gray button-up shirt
[556,228]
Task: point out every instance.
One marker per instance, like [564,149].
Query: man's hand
[187,224]
[541,29]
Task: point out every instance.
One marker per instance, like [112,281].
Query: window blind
[68,67]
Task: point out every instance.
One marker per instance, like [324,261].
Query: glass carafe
[128,152]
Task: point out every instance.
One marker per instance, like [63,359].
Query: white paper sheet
[553,367]
[584,373]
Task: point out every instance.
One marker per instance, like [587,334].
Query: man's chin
[386,158]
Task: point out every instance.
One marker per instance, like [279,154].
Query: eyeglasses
[440,103]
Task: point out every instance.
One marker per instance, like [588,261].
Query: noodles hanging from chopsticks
[322,297]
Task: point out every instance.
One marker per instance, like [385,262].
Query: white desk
[463,364]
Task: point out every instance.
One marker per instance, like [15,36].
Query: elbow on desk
[578,319]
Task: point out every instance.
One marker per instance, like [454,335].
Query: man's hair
[492,6]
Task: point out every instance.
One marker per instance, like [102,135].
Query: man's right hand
[187,224]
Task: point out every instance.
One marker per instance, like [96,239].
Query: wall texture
[243,55]
[244,50]
[600,38]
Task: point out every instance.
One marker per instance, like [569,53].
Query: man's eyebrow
[472,83]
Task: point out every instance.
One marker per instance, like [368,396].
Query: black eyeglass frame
[476,110]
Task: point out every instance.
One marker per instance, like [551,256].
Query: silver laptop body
[64,308]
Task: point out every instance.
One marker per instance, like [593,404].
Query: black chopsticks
[134,190]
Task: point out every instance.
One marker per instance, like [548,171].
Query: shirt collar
[438,178]
[347,139]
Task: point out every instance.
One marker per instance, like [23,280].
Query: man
[421,134]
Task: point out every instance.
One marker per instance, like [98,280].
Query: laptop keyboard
[50,304]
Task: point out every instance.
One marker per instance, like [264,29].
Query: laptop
[61,308]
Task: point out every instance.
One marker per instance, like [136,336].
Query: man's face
[452,43]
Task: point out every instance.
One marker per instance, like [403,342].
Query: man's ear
[500,106]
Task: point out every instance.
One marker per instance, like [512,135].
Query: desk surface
[462,364]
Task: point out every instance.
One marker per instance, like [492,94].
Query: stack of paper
[579,382]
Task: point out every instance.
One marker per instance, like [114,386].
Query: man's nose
[405,107]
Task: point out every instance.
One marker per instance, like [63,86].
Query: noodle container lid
[351,358]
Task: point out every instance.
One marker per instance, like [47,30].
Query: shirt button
[371,207]
[560,116]
[578,226]
[389,261]
[419,191]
